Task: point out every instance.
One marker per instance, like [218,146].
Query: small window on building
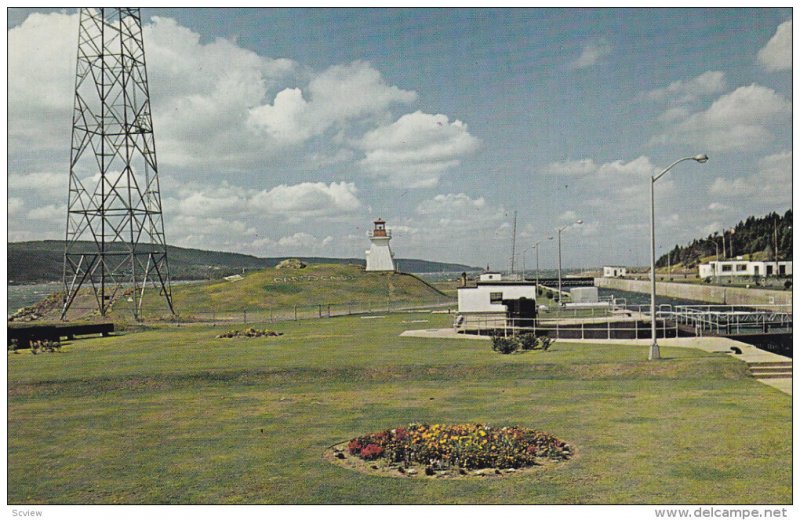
[727,268]
[782,269]
[741,267]
[496,297]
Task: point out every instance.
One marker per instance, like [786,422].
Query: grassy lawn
[174,415]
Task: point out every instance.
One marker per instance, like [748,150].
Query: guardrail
[634,322]
[295,312]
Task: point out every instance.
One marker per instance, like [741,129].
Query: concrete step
[770,370]
[761,371]
[765,364]
[777,375]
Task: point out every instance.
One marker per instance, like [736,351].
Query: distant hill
[756,238]
[42,261]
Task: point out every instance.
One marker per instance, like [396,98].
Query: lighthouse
[380,256]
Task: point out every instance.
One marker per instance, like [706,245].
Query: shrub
[545,342]
[787,285]
[550,294]
[528,341]
[504,345]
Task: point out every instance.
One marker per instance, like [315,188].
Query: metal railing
[733,319]
[633,322]
[562,328]
[307,312]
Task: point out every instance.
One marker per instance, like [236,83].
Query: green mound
[319,289]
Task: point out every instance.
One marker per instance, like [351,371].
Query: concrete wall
[477,299]
[704,293]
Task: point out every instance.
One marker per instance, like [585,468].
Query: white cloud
[592,53]
[51,213]
[770,184]
[201,204]
[336,96]
[740,120]
[568,215]
[451,203]
[674,114]
[44,183]
[682,91]
[777,54]
[448,225]
[308,199]
[609,196]
[41,80]
[211,100]
[14,206]
[416,150]
[717,206]
[577,168]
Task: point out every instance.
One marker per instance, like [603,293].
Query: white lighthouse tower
[380,256]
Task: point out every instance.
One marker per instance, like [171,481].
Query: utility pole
[514,242]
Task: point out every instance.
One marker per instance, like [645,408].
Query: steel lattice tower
[115,230]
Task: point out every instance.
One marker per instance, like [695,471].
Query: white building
[613,271]
[717,269]
[380,256]
[496,302]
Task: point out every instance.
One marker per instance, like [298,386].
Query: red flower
[371,452]
[354,447]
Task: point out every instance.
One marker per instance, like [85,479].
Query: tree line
[756,238]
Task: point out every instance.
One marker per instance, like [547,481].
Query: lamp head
[579,221]
[701,158]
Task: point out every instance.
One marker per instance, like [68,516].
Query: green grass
[174,415]
[346,288]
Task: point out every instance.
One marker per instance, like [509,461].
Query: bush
[545,342]
[787,284]
[528,341]
[550,294]
[504,345]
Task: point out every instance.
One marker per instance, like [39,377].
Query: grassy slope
[274,292]
[173,415]
[315,285]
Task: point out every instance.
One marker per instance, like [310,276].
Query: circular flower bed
[460,449]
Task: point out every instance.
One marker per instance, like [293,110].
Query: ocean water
[19,296]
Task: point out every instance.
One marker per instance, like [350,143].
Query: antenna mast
[115,230]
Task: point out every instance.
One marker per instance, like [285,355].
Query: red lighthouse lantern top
[380,228]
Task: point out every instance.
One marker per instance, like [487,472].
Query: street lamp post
[536,248]
[578,222]
[654,351]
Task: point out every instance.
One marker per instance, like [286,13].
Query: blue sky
[285,132]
